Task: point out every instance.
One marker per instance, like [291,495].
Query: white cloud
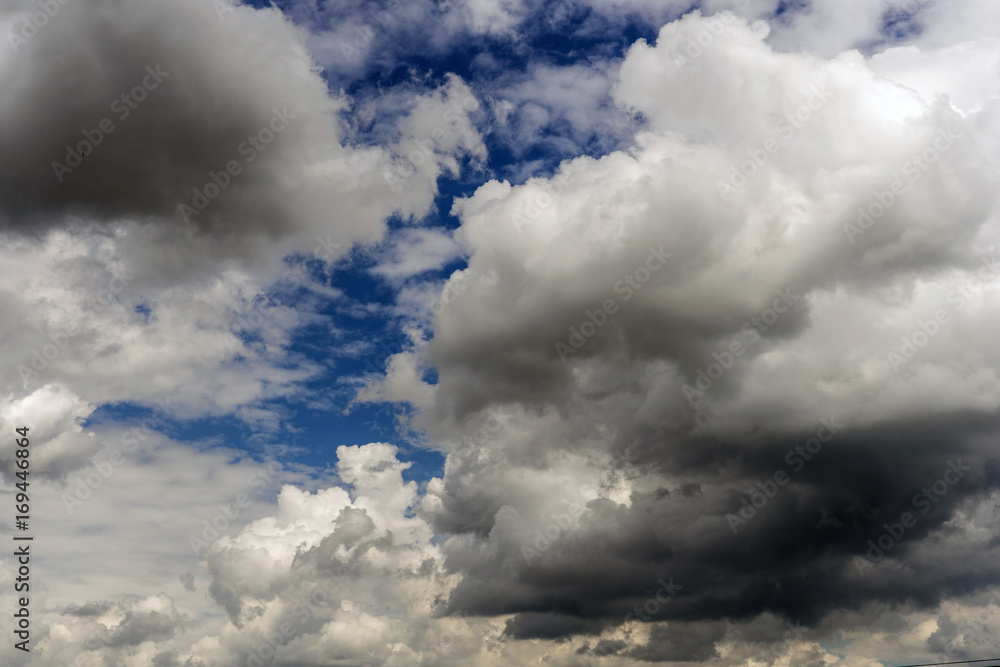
[416,251]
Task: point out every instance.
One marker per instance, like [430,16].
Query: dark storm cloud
[123,108]
[801,555]
[531,625]
[681,643]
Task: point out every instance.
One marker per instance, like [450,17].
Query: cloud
[726,394]
[593,242]
[90,314]
[417,251]
[158,270]
[601,306]
[566,109]
[113,587]
[349,572]
[227,133]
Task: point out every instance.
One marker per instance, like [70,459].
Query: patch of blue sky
[900,24]
[317,434]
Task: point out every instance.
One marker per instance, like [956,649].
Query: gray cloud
[814,314]
[214,126]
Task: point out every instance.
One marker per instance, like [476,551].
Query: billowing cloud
[798,251]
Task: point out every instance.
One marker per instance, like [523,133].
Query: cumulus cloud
[344,573]
[349,573]
[722,226]
[690,312]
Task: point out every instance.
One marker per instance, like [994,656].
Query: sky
[584,333]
